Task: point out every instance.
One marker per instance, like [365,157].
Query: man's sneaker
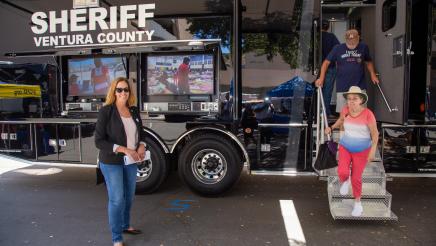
[344,187]
[357,209]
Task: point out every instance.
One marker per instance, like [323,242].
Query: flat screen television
[91,76]
[180,74]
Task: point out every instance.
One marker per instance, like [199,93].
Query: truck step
[369,189]
[372,210]
[372,169]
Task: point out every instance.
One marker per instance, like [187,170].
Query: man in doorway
[328,41]
[349,58]
[183,76]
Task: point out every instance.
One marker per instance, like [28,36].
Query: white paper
[147,155]
[129,161]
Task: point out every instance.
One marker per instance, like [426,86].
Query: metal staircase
[376,201]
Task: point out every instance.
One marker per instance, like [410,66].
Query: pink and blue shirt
[357,136]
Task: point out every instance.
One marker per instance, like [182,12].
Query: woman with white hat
[358,144]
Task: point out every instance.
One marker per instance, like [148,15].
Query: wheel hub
[212,163]
[144,171]
[209,166]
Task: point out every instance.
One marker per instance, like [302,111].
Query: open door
[392,61]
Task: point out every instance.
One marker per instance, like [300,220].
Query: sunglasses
[125,89]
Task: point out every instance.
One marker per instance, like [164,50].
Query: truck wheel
[210,165]
[151,174]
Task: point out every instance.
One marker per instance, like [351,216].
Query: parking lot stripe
[10,165]
[294,231]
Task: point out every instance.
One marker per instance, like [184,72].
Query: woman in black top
[120,139]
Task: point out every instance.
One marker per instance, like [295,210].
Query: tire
[210,165]
[151,175]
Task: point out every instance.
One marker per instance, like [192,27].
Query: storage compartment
[16,140]
[409,149]
[57,142]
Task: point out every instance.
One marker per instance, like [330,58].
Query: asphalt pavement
[42,205]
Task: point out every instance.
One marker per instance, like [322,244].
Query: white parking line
[7,164]
[292,223]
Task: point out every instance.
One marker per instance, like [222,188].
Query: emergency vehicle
[256,57]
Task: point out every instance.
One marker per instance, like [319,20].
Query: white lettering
[53,40]
[76,19]
[62,38]
[110,37]
[140,34]
[143,15]
[71,39]
[125,16]
[113,17]
[37,19]
[116,17]
[121,36]
[37,41]
[130,37]
[101,38]
[63,20]
[149,34]
[79,39]
[45,41]
[88,39]
[97,15]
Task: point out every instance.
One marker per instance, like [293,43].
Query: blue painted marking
[180,205]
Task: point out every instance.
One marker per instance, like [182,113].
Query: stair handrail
[324,114]
[321,121]
[385,100]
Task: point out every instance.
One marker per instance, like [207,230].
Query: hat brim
[365,97]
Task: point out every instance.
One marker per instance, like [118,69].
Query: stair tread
[372,169]
[369,190]
[372,210]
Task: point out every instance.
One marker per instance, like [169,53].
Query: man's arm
[370,66]
[320,81]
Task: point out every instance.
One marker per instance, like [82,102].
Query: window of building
[389,14]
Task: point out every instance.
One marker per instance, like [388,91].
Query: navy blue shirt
[329,41]
[350,67]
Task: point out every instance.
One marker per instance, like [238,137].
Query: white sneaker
[345,187]
[357,209]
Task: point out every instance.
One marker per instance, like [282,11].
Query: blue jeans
[120,182]
[327,88]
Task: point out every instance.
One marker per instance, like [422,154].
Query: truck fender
[218,130]
[157,139]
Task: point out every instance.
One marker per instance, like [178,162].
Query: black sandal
[132,231]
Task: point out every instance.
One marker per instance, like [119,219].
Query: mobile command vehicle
[220,84]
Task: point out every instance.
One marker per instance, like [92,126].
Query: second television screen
[191,74]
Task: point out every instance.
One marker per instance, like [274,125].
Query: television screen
[92,76]
[191,74]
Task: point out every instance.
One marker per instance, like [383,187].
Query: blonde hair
[110,96]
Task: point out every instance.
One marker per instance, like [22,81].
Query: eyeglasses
[353,99]
[120,90]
